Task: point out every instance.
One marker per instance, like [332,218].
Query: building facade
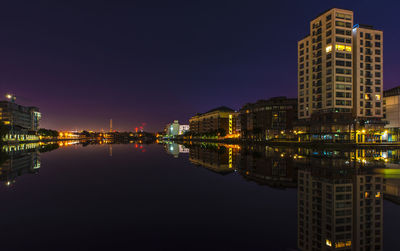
[391,99]
[220,120]
[340,72]
[19,116]
[183,129]
[368,72]
[172,129]
[325,64]
[268,119]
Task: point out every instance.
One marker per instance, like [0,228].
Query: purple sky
[84,62]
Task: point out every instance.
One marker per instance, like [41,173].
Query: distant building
[172,129]
[221,119]
[183,129]
[268,119]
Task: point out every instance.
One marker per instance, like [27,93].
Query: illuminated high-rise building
[340,77]
[368,72]
[325,64]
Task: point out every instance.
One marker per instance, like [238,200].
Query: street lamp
[11,97]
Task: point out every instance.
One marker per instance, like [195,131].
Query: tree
[3,130]
[221,132]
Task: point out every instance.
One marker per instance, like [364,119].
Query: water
[198,197]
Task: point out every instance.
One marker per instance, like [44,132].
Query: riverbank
[308,144]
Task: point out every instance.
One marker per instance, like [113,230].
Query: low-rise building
[22,122]
[172,129]
[391,112]
[20,116]
[221,120]
[183,129]
[268,119]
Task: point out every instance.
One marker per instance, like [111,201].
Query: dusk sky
[84,62]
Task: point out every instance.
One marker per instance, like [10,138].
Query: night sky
[84,62]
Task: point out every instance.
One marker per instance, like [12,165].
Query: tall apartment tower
[368,72]
[325,65]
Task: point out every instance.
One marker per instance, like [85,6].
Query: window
[340,31]
[343,16]
[377,44]
[340,55]
[340,62]
[340,102]
[340,39]
[340,47]
[377,37]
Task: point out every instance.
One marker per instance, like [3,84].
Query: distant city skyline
[85,63]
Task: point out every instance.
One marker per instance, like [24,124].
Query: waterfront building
[183,129]
[368,72]
[221,120]
[391,113]
[340,80]
[268,119]
[22,121]
[172,129]
[19,116]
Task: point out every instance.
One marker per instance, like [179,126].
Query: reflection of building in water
[217,158]
[392,184]
[172,148]
[268,166]
[339,208]
[183,149]
[17,164]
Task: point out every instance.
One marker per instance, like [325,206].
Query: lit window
[378,97]
[340,47]
[328,48]
[329,243]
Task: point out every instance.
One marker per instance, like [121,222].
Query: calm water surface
[199,197]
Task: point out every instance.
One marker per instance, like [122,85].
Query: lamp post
[12,99]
